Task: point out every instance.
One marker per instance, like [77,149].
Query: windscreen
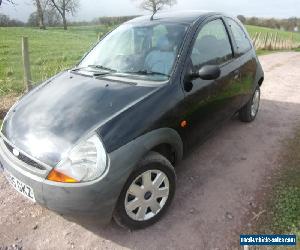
[148,51]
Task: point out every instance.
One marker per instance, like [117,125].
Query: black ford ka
[103,138]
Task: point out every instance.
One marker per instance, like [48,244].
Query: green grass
[286,203]
[261,52]
[50,52]
[279,200]
[282,34]
[54,50]
[282,201]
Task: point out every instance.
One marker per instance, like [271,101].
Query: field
[50,52]
[54,50]
[282,34]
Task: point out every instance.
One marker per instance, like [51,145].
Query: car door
[245,58]
[208,102]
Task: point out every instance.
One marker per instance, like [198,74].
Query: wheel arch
[260,81]
[126,159]
[166,142]
[167,150]
[259,75]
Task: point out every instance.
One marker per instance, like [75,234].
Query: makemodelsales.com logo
[268,240]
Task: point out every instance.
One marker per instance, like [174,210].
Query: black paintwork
[49,121]
[58,114]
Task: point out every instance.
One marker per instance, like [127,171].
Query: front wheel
[147,194]
[249,112]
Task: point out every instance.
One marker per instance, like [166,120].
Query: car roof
[188,17]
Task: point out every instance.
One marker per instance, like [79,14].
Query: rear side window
[212,45]
[240,37]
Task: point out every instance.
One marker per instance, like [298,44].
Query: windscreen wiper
[102,67]
[146,73]
[77,69]
[98,73]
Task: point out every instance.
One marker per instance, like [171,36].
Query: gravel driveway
[217,183]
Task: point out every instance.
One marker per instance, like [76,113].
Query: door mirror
[207,72]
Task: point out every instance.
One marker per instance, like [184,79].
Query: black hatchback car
[103,138]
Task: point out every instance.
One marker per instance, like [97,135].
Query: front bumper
[97,198]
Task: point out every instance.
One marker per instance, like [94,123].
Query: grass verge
[282,201]
[261,52]
[286,203]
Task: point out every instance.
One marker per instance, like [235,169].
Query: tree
[242,18]
[33,20]
[65,7]
[4,20]
[156,5]
[39,10]
[7,1]
[51,18]
[40,14]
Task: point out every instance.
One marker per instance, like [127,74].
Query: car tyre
[249,112]
[147,193]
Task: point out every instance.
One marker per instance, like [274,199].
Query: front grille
[24,158]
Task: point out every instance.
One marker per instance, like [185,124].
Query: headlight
[86,162]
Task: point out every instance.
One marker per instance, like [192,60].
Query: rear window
[240,37]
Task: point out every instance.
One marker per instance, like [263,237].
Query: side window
[239,36]
[212,45]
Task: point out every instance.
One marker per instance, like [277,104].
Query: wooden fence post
[275,41]
[258,41]
[254,38]
[26,64]
[269,45]
[266,41]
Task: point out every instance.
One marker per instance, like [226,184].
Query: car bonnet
[49,121]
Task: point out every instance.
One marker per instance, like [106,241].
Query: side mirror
[207,72]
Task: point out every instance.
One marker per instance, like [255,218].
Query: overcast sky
[90,9]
